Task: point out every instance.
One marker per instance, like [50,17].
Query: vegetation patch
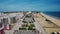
[32,25]
[30,28]
[22,29]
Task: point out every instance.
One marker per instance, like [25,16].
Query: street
[39,27]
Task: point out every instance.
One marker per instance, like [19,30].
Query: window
[5,20]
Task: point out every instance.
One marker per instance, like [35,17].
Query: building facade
[7,19]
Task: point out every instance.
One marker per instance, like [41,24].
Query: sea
[53,14]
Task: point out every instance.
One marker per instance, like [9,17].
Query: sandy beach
[53,26]
[54,20]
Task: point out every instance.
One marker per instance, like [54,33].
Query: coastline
[53,16]
[54,20]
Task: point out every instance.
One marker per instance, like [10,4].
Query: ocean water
[53,14]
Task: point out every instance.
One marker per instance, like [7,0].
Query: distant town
[28,22]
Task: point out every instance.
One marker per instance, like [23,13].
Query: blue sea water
[53,14]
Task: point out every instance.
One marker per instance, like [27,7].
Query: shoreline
[50,16]
[53,16]
[52,19]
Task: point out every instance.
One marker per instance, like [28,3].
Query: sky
[29,5]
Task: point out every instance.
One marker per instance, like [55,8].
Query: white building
[9,18]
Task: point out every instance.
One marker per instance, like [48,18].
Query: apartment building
[8,19]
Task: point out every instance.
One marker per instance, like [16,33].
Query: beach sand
[54,20]
[53,26]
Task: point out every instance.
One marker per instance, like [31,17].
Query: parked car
[58,32]
[54,33]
